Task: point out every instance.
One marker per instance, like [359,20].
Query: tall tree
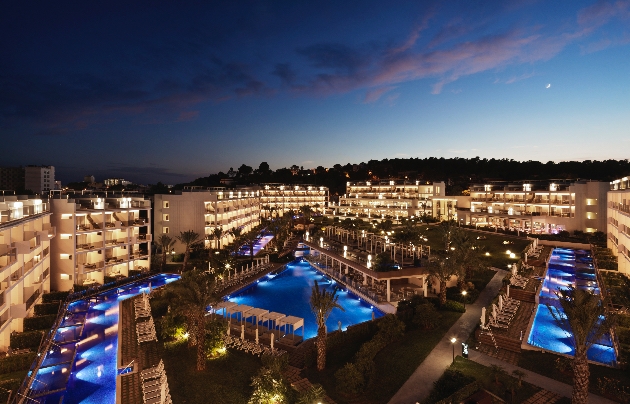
[217,233]
[443,270]
[193,293]
[188,238]
[322,304]
[165,243]
[583,316]
[467,255]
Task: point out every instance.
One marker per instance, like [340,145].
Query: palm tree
[218,235]
[236,232]
[193,293]
[583,316]
[322,304]
[448,230]
[443,270]
[520,375]
[467,255]
[306,212]
[165,243]
[406,236]
[188,238]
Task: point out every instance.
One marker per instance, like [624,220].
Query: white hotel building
[276,199]
[99,237]
[25,237]
[395,200]
[539,207]
[202,210]
[618,214]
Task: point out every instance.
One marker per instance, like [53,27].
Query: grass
[225,381]
[20,374]
[544,364]
[485,376]
[400,360]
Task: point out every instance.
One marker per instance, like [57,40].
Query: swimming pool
[289,293]
[82,365]
[566,267]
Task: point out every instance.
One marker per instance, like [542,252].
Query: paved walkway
[419,385]
[546,383]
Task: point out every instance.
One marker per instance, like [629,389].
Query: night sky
[173,90]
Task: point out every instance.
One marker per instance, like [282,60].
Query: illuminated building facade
[618,214]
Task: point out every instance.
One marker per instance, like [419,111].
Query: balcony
[89,267]
[89,246]
[145,237]
[8,259]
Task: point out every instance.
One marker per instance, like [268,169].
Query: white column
[388,292]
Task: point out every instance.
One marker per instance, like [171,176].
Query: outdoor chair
[153,372]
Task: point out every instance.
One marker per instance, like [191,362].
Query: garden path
[420,384]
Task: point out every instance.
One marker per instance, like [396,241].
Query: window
[591,202]
[591,215]
[165,230]
[165,204]
[165,217]
[65,277]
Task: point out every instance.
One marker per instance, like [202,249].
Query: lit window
[165,204]
[65,277]
[165,230]
[165,217]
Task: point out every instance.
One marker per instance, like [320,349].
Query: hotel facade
[203,210]
[25,264]
[277,199]
[395,200]
[538,207]
[99,237]
[618,214]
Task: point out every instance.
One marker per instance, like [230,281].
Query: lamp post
[453,340]
[464,293]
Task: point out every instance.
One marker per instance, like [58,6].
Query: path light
[453,340]
[512,255]
[464,293]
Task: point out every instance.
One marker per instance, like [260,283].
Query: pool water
[566,267]
[289,293]
[83,361]
[261,242]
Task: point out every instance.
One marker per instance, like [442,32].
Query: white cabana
[223,306]
[256,313]
[272,318]
[500,303]
[294,322]
[240,309]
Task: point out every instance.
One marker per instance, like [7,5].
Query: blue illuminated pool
[566,267]
[83,361]
[289,293]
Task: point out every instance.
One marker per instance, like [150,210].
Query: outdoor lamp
[453,340]
[464,293]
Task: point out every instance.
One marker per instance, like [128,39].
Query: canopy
[272,318]
[294,322]
[256,313]
[240,309]
[223,306]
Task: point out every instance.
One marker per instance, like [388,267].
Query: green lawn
[493,244]
[397,362]
[484,375]
[225,380]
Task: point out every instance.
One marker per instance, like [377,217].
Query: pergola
[294,322]
[272,317]
[256,313]
[223,306]
[239,309]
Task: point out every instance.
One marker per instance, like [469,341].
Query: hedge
[54,296]
[15,363]
[40,322]
[47,308]
[452,305]
[28,339]
[13,385]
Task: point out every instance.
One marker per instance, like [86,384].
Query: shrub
[6,385]
[269,387]
[448,383]
[451,305]
[314,394]
[349,379]
[624,335]
[15,363]
[46,308]
[40,322]
[426,316]
[390,328]
[54,296]
[28,339]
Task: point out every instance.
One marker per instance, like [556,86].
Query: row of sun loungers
[142,306]
[251,347]
[519,281]
[241,277]
[146,331]
[501,318]
[155,386]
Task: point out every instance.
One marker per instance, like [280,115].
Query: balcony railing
[29,302]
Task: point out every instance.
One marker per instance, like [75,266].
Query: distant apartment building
[110,182]
[539,206]
[396,200]
[276,199]
[203,210]
[618,213]
[98,237]
[25,238]
[39,179]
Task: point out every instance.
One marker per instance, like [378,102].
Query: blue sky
[159,91]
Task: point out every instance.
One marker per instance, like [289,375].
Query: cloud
[519,78]
[284,71]
[374,95]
